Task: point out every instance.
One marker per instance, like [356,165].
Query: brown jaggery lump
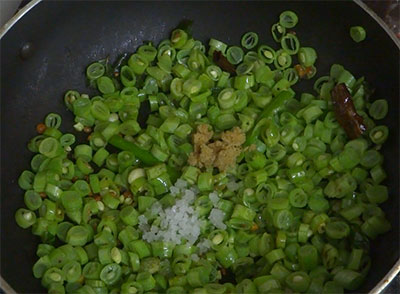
[227,157]
[202,136]
[235,137]
[221,153]
[208,155]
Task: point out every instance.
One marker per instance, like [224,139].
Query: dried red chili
[96,197]
[301,71]
[345,112]
[220,60]
[40,128]
[87,130]
[127,194]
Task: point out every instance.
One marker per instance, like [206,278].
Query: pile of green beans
[300,206]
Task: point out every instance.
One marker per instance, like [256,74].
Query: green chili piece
[140,153]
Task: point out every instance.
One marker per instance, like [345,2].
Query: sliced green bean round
[290,44]
[95,71]
[290,74]
[166,50]
[288,19]
[244,68]
[77,236]
[249,40]
[266,54]
[53,120]
[319,83]
[378,109]
[25,218]
[307,56]
[250,57]
[105,85]
[379,134]
[148,52]
[70,97]
[278,31]
[128,77]
[214,72]
[67,140]
[283,59]
[337,229]
[298,198]
[235,54]
[49,147]
[72,271]
[111,273]
[32,200]
[358,34]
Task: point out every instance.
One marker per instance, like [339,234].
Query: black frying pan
[66,36]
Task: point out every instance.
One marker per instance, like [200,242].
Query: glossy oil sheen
[67,36]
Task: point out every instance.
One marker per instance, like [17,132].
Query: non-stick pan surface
[66,36]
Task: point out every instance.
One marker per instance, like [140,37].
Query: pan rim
[9,24]
[380,21]
[6,287]
[385,281]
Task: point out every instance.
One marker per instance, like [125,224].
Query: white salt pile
[179,222]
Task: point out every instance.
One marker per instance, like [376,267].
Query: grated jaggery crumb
[193,159]
[217,146]
[227,157]
[221,153]
[203,135]
[208,155]
[234,137]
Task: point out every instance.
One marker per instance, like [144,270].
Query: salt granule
[216,217]
[232,186]
[204,245]
[195,257]
[174,190]
[180,184]
[214,198]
